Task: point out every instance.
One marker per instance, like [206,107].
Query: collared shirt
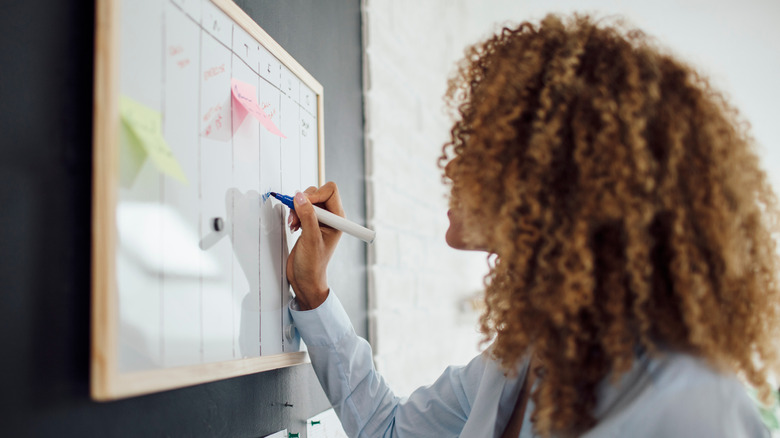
[671,395]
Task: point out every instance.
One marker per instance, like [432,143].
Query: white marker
[333,220]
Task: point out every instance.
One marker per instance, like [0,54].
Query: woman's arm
[343,361]
[308,260]
[361,398]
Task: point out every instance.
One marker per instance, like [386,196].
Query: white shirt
[674,395]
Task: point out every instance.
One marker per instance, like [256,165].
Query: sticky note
[244,94]
[145,124]
[131,157]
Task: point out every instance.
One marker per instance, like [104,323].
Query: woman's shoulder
[686,396]
[677,374]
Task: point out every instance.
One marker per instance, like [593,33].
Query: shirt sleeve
[362,400]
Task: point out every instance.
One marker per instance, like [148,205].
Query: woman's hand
[308,260]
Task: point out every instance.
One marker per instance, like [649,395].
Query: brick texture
[417,284]
[421,292]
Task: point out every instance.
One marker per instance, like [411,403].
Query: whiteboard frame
[106,381]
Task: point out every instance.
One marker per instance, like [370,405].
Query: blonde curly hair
[625,205]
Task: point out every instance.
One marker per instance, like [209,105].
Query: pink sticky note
[244,94]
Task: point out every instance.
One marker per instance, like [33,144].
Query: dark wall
[45,181]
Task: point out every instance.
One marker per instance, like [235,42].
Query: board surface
[198,115]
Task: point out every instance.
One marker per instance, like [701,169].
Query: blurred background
[424,297]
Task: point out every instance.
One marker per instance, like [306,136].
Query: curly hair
[626,207]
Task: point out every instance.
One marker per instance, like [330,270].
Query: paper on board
[244,94]
[222,121]
[145,125]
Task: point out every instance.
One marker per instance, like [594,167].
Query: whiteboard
[199,114]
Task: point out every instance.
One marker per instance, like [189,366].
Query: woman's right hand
[308,261]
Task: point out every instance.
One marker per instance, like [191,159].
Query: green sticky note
[132,156]
[146,126]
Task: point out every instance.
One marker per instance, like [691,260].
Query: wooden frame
[107,383]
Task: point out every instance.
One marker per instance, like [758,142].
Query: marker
[335,221]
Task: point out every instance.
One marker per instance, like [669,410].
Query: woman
[628,228]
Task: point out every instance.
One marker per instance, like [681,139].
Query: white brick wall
[416,283]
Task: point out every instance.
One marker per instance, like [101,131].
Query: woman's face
[455,236]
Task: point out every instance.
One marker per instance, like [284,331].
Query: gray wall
[45,181]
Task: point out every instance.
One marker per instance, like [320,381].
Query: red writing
[175,50]
[265,106]
[217,124]
[213,71]
[211,112]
